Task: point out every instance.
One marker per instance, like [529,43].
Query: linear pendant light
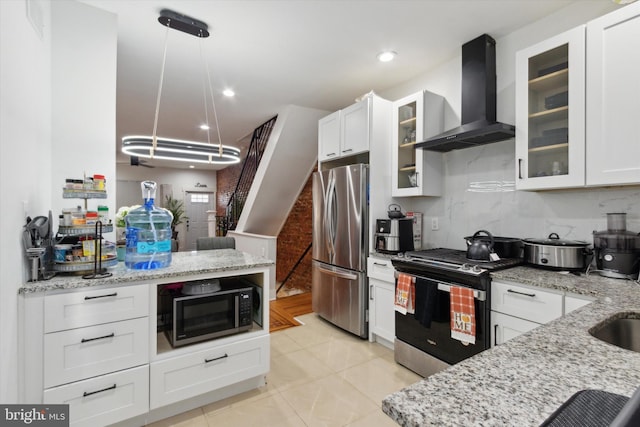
[154,147]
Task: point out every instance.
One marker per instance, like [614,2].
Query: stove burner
[454,259]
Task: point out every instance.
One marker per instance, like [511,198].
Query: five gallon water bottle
[148,233]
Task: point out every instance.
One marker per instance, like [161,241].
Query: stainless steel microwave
[195,318]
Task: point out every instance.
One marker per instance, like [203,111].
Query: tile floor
[320,376]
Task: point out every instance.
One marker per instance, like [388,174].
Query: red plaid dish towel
[463,315]
[405,294]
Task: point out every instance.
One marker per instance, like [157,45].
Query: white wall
[25,166]
[573,214]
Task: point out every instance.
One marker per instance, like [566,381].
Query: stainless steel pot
[557,254]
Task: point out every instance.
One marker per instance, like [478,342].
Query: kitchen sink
[621,329]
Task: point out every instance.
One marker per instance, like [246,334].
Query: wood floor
[283,310]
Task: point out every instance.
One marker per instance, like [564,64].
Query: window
[199,198]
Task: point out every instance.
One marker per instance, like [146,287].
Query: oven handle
[446,287]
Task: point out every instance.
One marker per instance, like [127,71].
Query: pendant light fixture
[154,147]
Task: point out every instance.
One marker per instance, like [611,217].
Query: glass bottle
[148,233]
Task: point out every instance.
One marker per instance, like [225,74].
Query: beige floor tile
[295,368]
[328,401]
[282,343]
[379,377]
[312,333]
[193,418]
[247,396]
[340,353]
[272,410]
[375,419]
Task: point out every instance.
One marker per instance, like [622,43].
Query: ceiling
[312,53]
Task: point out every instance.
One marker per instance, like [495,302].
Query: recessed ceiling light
[204,127]
[386,56]
[228,92]
[191,167]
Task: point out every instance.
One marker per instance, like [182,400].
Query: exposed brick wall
[293,240]
[227,179]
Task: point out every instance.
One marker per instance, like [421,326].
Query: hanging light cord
[155,121]
[213,103]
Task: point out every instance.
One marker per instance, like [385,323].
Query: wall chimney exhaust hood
[479,125]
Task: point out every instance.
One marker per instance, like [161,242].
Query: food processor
[617,250]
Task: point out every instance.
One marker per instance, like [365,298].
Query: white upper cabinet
[416,172]
[345,132]
[550,113]
[613,98]
[329,137]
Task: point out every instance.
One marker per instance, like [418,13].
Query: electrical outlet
[434,223]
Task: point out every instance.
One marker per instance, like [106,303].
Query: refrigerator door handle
[340,274]
[328,216]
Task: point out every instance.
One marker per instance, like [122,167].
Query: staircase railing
[247,175]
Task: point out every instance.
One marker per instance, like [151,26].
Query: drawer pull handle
[111,335]
[89,393]
[115,294]
[521,293]
[215,358]
[380,264]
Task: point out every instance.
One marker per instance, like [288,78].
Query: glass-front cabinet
[550,113]
[416,172]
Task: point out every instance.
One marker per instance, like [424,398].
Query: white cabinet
[95,353]
[516,309]
[349,131]
[381,297]
[416,172]
[190,375]
[550,119]
[577,95]
[613,97]
[105,399]
[329,137]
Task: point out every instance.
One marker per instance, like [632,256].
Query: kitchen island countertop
[182,264]
[526,379]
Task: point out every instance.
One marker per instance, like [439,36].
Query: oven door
[201,317]
[436,339]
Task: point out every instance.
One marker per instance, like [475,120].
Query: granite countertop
[182,263]
[526,379]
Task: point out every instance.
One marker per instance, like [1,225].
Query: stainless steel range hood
[479,125]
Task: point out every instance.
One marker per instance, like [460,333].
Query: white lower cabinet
[106,399]
[516,308]
[95,350]
[189,375]
[381,296]
[504,327]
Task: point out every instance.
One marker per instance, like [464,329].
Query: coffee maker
[394,235]
[617,250]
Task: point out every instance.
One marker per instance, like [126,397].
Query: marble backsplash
[479,194]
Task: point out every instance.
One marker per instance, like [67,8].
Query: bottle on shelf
[148,233]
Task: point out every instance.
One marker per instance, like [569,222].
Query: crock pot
[557,254]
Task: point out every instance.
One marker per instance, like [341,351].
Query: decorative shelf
[83,194]
[83,267]
[407,144]
[550,81]
[75,230]
[407,122]
[549,148]
[553,114]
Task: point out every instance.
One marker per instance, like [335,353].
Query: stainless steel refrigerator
[340,246]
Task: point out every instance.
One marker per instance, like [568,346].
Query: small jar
[98,182]
[103,214]
[88,183]
[91,217]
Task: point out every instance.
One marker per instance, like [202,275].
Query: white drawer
[106,399]
[528,303]
[381,269]
[92,307]
[186,376]
[95,350]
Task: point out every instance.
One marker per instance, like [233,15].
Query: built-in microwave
[194,318]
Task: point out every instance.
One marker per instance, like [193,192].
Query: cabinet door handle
[348,150]
[331,154]
[519,168]
[371,292]
[521,293]
[115,294]
[111,335]
[381,265]
[215,358]
[495,335]
[89,393]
